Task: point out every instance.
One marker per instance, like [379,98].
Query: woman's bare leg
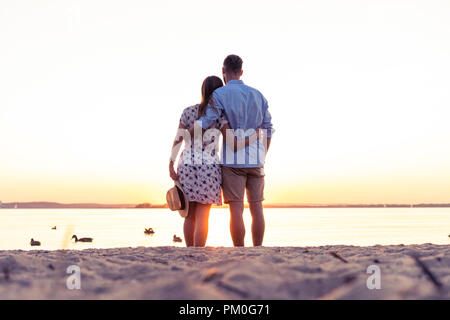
[201,224]
[189,225]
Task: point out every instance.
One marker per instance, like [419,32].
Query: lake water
[284,227]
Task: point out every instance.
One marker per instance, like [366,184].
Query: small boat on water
[177,239]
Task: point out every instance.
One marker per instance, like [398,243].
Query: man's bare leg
[258,223]
[237,227]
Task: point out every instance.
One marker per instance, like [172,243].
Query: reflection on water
[284,227]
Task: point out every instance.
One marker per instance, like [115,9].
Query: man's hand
[266,141]
[173,174]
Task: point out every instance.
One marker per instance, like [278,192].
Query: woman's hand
[259,132]
[172,172]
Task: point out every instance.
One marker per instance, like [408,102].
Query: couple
[242,111]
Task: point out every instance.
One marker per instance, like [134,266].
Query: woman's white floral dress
[199,172]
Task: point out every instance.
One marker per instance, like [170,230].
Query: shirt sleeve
[222,121]
[213,112]
[267,120]
[184,119]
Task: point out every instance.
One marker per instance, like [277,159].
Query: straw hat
[177,200]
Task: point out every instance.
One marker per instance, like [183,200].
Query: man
[246,110]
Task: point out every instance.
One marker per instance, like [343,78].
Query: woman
[198,171]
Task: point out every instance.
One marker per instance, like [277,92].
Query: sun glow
[92,92]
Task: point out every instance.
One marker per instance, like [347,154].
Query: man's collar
[235,82]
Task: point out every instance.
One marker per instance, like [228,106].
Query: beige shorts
[235,181]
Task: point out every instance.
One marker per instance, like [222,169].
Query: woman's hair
[210,84]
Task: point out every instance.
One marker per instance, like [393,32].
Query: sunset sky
[91,93]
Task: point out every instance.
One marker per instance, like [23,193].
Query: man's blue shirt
[246,109]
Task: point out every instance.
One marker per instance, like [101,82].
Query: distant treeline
[151,206]
[55,205]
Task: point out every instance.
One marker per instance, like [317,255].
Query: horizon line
[93,205]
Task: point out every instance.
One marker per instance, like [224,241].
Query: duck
[54,228]
[177,239]
[34,243]
[82,239]
[149,231]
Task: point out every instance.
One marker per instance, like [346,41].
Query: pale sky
[91,93]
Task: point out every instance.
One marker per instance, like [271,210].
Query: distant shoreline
[56,205]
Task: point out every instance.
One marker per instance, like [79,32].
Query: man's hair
[233,64]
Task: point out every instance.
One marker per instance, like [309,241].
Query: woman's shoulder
[189,115]
[191,108]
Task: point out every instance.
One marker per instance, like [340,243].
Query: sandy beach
[327,272]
